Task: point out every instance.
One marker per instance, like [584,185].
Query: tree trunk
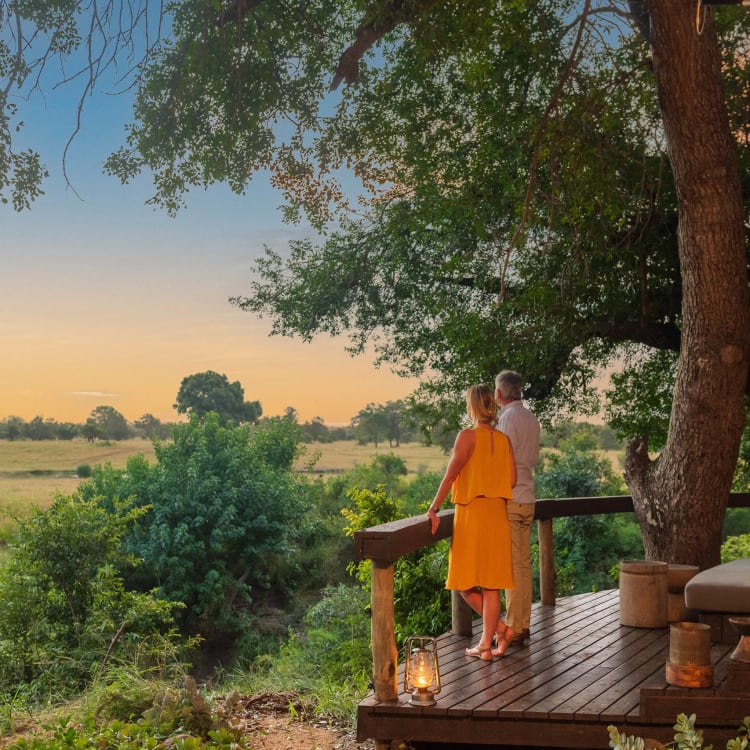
[680,498]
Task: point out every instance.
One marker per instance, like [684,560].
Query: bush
[84,471]
[587,548]
[176,717]
[223,511]
[64,612]
[421,601]
[735,547]
[687,737]
[330,658]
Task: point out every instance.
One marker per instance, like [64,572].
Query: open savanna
[346,454]
[32,472]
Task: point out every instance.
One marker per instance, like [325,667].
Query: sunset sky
[104,300]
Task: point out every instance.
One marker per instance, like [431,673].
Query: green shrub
[735,547]
[328,662]
[64,611]
[587,548]
[178,718]
[686,737]
[84,471]
[224,510]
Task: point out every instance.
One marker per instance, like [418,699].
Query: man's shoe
[519,639]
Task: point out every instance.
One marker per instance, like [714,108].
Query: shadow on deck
[581,672]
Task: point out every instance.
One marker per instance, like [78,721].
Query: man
[523,429]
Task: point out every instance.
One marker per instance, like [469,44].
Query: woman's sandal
[503,642]
[483,654]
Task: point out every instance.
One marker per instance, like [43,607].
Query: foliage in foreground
[328,659]
[686,737]
[181,718]
[65,611]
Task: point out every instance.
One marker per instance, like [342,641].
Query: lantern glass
[421,672]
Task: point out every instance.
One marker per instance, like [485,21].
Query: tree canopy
[204,392]
[544,185]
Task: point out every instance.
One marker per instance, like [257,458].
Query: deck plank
[580,672]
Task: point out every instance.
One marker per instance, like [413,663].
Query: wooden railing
[386,543]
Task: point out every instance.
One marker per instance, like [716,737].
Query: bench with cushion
[718,593]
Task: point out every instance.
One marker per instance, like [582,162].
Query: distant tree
[555,434]
[437,426]
[315,431]
[40,429]
[371,424]
[342,432]
[91,430]
[204,392]
[112,425]
[394,411]
[67,430]
[151,427]
[608,439]
[13,428]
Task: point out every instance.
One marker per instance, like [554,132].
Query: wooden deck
[581,672]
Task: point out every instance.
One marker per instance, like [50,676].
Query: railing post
[384,654]
[461,615]
[546,562]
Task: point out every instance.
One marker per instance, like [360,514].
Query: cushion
[723,588]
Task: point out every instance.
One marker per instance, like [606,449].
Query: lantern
[421,672]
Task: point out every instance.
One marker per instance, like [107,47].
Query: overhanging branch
[393,14]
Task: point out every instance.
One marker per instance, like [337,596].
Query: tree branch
[573,58]
[238,10]
[395,12]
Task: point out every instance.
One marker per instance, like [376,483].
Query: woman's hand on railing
[433,518]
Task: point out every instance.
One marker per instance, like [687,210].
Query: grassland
[345,454]
[32,472]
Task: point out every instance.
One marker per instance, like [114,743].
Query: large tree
[111,424]
[204,392]
[547,185]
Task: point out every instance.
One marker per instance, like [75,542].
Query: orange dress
[480,553]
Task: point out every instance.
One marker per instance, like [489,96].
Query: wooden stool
[643,593]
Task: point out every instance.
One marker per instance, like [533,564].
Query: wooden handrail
[386,543]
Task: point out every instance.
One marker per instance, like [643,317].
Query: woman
[480,475]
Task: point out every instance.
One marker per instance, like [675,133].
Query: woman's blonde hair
[481,405]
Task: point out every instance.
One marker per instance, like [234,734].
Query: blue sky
[104,300]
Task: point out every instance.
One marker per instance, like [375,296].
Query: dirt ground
[266,721]
[275,721]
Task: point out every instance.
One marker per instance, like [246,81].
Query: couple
[490,479]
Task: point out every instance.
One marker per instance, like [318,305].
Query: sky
[107,301]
